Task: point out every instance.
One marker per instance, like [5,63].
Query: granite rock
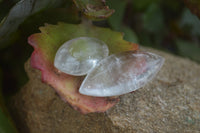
[168,104]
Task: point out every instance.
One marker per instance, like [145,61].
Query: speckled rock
[169,104]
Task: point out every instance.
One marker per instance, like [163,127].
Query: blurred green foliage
[190,23]
[6,124]
[153,19]
[166,25]
[18,13]
[188,49]
[116,19]
[158,24]
[194,6]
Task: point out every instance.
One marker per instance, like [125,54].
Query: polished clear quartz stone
[121,73]
[78,56]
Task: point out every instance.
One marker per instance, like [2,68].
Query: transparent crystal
[79,55]
[121,73]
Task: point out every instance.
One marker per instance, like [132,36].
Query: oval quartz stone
[78,56]
[121,73]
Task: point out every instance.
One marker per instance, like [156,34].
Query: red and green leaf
[46,45]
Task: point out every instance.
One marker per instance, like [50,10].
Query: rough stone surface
[169,104]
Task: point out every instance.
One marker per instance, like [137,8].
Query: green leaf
[46,45]
[129,34]
[188,49]
[94,9]
[19,13]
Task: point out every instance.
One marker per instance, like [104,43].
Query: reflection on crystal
[121,73]
[79,55]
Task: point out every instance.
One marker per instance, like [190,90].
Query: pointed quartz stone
[78,56]
[121,73]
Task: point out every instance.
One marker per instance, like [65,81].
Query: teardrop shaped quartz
[121,73]
[78,56]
